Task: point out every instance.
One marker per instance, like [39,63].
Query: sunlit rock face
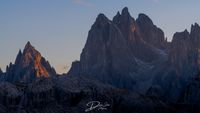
[28,66]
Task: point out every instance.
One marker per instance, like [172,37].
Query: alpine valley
[126,66]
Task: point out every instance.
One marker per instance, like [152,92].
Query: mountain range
[125,62]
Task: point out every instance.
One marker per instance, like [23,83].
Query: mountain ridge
[125,62]
[116,56]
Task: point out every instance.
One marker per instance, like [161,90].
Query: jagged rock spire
[127,25]
[19,56]
[194,27]
[101,18]
[30,49]
[195,35]
[106,55]
[125,12]
[29,65]
[28,44]
[143,18]
[124,16]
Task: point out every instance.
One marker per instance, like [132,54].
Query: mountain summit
[115,51]
[106,54]
[29,65]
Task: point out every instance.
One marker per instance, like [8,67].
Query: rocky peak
[143,18]
[118,14]
[30,51]
[28,46]
[101,22]
[150,32]
[101,28]
[29,65]
[195,35]
[123,18]
[180,50]
[114,51]
[181,36]
[19,56]
[112,48]
[185,49]
[101,18]
[30,56]
[127,25]
[195,42]
[195,27]
[106,55]
[125,12]
[125,15]
[134,38]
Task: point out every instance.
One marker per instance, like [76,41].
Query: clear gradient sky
[59,28]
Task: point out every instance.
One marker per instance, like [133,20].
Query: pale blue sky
[58,28]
